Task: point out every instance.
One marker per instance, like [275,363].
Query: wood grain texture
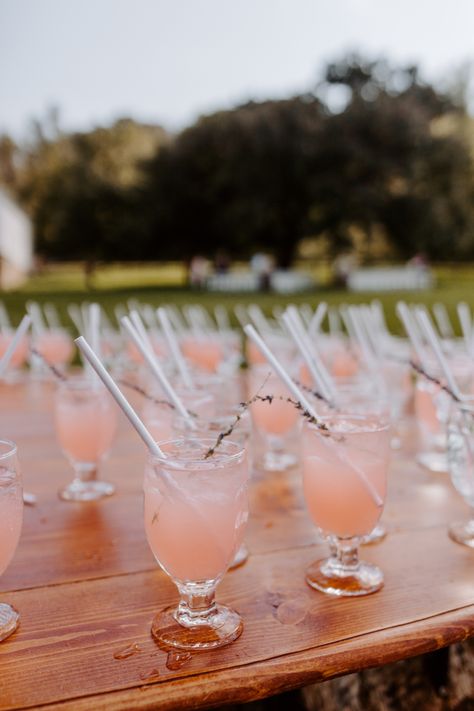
[87,586]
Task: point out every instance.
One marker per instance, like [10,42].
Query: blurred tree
[238,179]
[381,163]
[79,188]
[8,162]
[386,164]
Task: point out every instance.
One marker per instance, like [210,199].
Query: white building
[16,243]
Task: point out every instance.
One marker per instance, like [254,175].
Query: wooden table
[87,586]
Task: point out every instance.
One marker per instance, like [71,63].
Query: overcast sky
[168,61]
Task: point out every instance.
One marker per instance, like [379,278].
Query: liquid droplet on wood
[175,660]
[127,651]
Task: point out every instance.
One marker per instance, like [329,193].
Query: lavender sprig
[52,368]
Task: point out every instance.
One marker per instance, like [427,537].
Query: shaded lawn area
[157,285]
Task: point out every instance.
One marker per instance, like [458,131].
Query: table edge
[250,682]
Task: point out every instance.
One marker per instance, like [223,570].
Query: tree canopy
[387,162]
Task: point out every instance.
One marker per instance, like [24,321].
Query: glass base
[9,620]
[462,532]
[375,536]
[79,490]
[434,461]
[222,626]
[279,461]
[328,576]
[240,557]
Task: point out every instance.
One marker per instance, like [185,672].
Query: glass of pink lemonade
[11,515]
[460,446]
[206,351]
[55,346]
[86,421]
[276,423]
[21,353]
[432,407]
[228,425]
[344,481]
[196,510]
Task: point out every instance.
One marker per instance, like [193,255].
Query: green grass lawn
[157,284]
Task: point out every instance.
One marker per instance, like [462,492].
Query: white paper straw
[19,334]
[175,317]
[306,313]
[464,315]
[149,316]
[435,344]
[406,317]
[259,319]
[157,371]
[279,370]
[75,314]
[309,407]
[277,312]
[379,315]
[94,327]
[173,345]
[119,312]
[36,317]
[362,339]
[334,322]
[197,321]
[442,321]
[51,316]
[314,373]
[317,319]
[222,318]
[316,367]
[241,315]
[139,327]
[118,396]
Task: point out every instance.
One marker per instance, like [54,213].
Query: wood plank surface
[87,586]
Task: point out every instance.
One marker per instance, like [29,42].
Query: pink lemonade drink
[11,515]
[340,359]
[277,417]
[86,421]
[196,510]
[344,481]
[55,346]
[276,423]
[206,352]
[194,535]
[431,411]
[21,353]
[86,424]
[338,501]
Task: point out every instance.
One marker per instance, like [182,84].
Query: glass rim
[180,463]
[384,425]
[12,448]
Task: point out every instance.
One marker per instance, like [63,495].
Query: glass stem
[85,472]
[346,553]
[197,603]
